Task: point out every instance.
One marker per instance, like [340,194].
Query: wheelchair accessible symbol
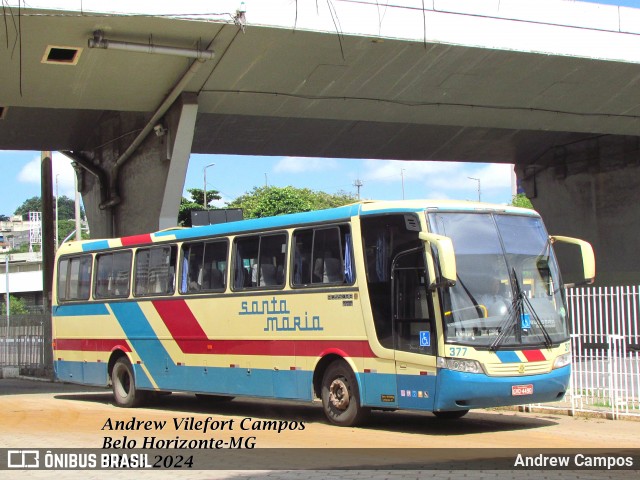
[425,339]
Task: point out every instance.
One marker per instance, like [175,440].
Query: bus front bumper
[462,391]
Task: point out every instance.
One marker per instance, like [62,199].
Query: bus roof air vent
[412,224]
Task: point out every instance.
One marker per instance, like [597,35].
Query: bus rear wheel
[125,393]
[340,396]
[451,414]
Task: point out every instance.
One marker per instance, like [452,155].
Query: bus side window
[200,267]
[246,254]
[272,255]
[74,278]
[63,270]
[112,274]
[259,261]
[155,271]
[321,255]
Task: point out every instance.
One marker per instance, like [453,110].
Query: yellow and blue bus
[435,306]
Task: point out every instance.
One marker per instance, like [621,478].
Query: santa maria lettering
[279,318]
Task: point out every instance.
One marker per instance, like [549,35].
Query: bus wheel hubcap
[339,394]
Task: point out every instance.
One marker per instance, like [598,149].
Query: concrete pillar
[182,123]
[594,197]
[48,253]
[149,184]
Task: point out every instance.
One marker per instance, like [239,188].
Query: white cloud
[61,169]
[441,180]
[304,165]
[393,170]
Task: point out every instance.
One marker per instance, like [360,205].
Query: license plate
[517,390]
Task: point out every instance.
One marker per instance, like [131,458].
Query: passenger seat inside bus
[217,279]
[268,275]
[332,271]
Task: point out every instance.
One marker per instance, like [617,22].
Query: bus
[422,305]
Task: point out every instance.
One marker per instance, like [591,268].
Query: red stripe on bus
[182,325]
[136,239]
[534,355]
[279,348]
[93,345]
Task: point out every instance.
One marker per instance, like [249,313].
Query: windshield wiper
[507,325]
[547,338]
[517,311]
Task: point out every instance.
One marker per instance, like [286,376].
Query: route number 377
[457,351]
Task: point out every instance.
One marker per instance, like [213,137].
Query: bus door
[414,332]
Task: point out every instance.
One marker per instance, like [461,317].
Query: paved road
[48,415]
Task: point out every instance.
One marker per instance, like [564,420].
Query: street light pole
[477,180]
[402,176]
[204,171]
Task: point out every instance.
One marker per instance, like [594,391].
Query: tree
[32,204]
[270,201]
[195,203]
[16,306]
[4,218]
[66,227]
[521,200]
[66,208]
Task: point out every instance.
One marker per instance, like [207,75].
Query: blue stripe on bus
[97,245]
[508,357]
[286,384]
[255,224]
[294,219]
[167,375]
[87,309]
[145,342]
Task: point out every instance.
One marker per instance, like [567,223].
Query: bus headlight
[460,365]
[562,361]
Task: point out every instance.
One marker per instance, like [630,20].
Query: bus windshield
[507,293]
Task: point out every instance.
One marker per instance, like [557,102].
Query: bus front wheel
[340,396]
[124,386]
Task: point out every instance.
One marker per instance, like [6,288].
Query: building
[24,278]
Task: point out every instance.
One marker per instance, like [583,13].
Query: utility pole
[204,171]
[402,176]
[48,251]
[358,184]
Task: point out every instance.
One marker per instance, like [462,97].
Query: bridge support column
[143,194]
[182,123]
[598,206]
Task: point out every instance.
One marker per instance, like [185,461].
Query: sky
[381,179]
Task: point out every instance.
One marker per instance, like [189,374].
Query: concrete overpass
[552,86]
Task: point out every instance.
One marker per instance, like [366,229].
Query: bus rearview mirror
[588,258]
[446,257]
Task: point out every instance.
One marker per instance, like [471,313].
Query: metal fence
[605,340]
[22,342]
